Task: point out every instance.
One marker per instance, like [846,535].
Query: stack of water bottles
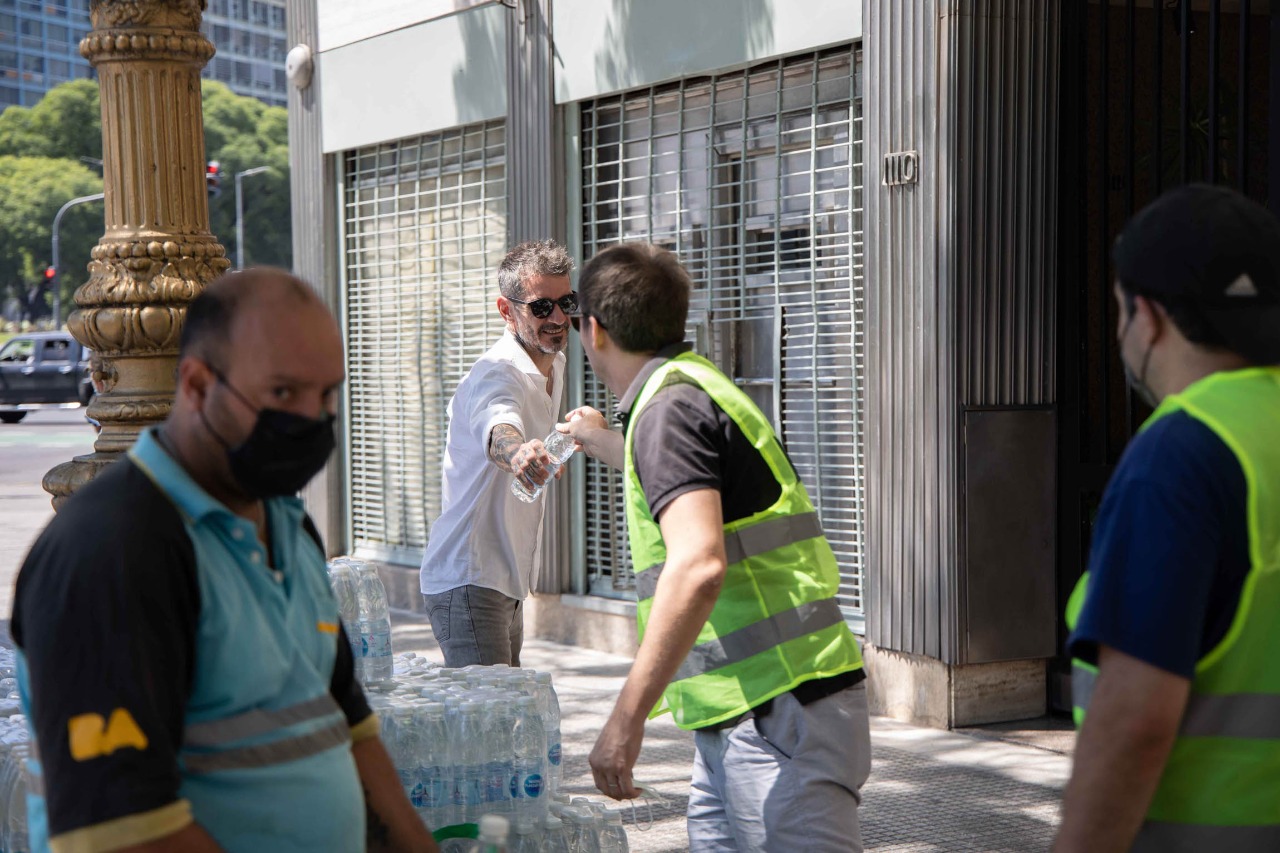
[484,741]
[468,743]
[362,605]
[15,754]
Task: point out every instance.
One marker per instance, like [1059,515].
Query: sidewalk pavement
[974,790]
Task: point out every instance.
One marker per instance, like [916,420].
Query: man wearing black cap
[1176,625]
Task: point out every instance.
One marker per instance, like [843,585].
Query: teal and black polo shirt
[173,670]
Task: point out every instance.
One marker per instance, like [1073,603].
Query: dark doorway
[1155,93]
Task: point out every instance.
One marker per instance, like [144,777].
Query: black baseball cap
[1217,253]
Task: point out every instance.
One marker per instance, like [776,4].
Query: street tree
[66,123]
[31,191]
[240,133]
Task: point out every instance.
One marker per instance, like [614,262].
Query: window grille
[425,227]
[754,179]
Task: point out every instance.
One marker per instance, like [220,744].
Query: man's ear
[195,379]
[504,308]
[599,335]
[1151,315]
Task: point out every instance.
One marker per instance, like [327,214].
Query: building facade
[39,47]
[883,209]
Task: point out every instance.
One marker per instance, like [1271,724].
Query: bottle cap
[525,827]
[494,827]
[552,822]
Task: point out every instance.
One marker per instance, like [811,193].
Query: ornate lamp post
[157,253]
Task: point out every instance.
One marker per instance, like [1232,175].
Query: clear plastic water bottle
[343,580]
[375,661]
[493,835]
[500,757]
[613,838]
[530,761]
[433,768]
[555,837]
[16,837]
[528,837]
[404,746]
[584,835]
[469,764]
[549,708]
[560,448]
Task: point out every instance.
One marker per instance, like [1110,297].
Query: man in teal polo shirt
[182,663]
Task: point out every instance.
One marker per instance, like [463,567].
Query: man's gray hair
[533,257]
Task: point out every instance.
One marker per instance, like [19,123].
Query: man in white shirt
[486,545]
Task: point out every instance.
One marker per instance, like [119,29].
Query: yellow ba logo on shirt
[92,736]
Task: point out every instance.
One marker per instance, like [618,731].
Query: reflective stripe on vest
[745,543]
[760,637]
[274,752]
[215,734]
[775,623]
[257,722]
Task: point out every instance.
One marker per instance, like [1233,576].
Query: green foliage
[41,147]
[66,123]
[31,191]
[244,133]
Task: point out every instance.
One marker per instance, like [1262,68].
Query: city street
[989,789]
[27,450]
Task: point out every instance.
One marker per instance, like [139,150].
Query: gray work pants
[790,780]
[474,624]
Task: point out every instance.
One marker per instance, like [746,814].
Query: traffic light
[50,273]
[213,178]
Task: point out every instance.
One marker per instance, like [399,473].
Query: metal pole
[240,214]
[55,260]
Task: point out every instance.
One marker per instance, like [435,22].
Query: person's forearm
[1121,753]
[391,824]
[605,445]
[504,441]
[684,599]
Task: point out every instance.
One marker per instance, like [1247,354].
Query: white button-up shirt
[486,536]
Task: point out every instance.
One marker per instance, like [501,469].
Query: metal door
[1154,94]
[754,179]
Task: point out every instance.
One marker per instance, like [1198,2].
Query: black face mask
[282,453]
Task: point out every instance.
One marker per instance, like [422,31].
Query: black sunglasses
[542,308]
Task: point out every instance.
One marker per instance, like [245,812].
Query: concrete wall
[429,76]
[313,199]
[605,46]
[927,692]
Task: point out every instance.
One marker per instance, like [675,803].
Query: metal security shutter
[425,225]
[754,179]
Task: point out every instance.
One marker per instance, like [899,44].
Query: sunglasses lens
[576,321]
[569,304]
[541,308]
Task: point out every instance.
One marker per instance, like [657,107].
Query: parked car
[42,369]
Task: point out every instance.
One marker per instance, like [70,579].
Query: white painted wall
[604,46]
[443,73]
[347,21]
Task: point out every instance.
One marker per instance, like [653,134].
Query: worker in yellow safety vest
[1176,625]
[742,639]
